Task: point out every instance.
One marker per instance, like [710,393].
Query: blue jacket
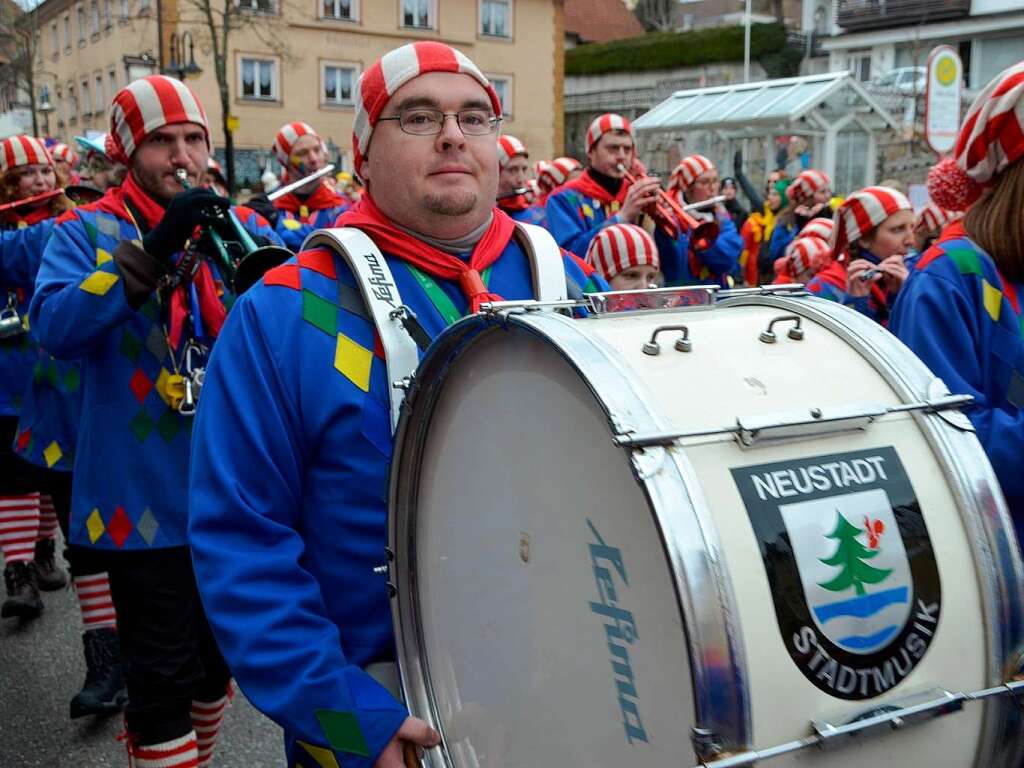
[19,263]
[293,229]
[532,215]
[964,321]
[716,263]
[782,236]
[288,498]
[574,218]
[131,460]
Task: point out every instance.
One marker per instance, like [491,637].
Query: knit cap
[806,184]
[21,150]
[607,123]
[147,104]
[509,147]
[861,212]
[618,247]
[689,168]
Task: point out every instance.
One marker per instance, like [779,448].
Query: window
[496,18]
[72,104]
[94,17]
[80,13]
[99,106]
[259,79]
[55,38]
[339,9]
[107,17]
[860,65]
[260,6]
[67,33]
[418,13]
[125,10]
[112,83]
[338,82]
[84,95]
[143,7]
[61,112]
[503,87]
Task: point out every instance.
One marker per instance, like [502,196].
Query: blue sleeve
[674,256]
[939,321]
[77,301]
[21,254]
[293,233]
[565,225]
[781,237]
[259,226]
[266,610]
[723,256]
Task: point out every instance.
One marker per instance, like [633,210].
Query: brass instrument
[242,262]
[673,219]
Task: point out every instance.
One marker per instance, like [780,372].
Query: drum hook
[683,343]
[796,333]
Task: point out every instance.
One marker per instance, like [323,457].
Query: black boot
[50,577]
[103,692]
[22,592]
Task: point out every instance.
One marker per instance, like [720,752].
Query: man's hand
[638,197]
[413,731]
[184,213]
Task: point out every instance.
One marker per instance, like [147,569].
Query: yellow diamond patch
[303,212]
[102,257]
[292,224]
[94,524]
[992,299]
[98,283]
[324,757]
[615,206]
[353,361]
[588,211]
[52,453]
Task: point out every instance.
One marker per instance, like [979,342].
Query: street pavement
[41,668]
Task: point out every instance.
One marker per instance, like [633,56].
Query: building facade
[296,60]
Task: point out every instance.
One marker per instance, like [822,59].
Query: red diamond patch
[23,439]
[119,527]
[140,384]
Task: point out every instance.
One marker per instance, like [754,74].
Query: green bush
[669,50]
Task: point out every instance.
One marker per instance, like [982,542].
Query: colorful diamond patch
[52,453]
[324,757]
[353,361]
[119,527]
[319,313]
[342,731]
[98,283]
[94,525]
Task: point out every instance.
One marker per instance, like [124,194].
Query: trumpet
[242,262]
[673,219]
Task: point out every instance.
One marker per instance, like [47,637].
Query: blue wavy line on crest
[863,606]
[869,641]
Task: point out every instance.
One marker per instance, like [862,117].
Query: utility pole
[746,43]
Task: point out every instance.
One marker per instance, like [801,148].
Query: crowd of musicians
[216,457]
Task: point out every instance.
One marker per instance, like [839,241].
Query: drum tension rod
[827,735]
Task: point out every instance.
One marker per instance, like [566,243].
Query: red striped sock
[19,527]
[176,753]
[48,526]
[207,717]
[94,601]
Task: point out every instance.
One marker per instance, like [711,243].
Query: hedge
[669,50]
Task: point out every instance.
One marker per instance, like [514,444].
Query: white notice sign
[942,98]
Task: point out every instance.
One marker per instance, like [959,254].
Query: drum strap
[379,291]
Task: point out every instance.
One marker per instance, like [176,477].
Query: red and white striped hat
[689,168]
[607,123]
[556,172]
[286,138]
[23,150]
[65,153]
[931,218]
[509,147]
[861,212]
[147,104]
[819,228]
[991,139]
[618,247]
[806,184]
[393,70]
[808,254]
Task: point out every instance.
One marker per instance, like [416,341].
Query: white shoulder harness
[379,291]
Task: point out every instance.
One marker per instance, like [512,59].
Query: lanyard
[441,301]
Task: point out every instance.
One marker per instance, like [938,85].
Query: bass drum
[717,535]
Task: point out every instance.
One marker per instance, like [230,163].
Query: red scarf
[323,197]
[211,309]
[365,215]
[517,203]
[586,185]
[32,216]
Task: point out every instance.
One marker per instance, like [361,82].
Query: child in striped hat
[626,256]
[552,174]
[807,197]
[316,205]
[600,197]
[695,180]
[513,169]
[960,309]
[929,223]
[806,257]
[872,238]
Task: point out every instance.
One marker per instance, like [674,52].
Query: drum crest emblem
[853,575]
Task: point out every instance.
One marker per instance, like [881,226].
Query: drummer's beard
[451,203]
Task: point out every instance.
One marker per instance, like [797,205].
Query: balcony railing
[857,15]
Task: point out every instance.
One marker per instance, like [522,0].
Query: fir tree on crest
[850,556]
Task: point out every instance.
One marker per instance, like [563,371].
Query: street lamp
[45,107]
[178,66]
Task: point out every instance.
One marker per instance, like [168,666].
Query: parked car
[906,81]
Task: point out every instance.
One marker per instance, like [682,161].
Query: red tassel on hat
[950,187]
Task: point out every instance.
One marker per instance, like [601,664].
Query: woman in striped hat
[65,163]
[872,238]
[806,257]
[960,309]
[695,180]
[626,256]
[552,174]
[807,198]
[929,223]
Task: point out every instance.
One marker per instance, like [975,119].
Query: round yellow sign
[945,70]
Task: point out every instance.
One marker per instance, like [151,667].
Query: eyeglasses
[430,122]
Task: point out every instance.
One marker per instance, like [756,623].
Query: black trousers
[169,653]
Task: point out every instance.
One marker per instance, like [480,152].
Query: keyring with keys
[10,321]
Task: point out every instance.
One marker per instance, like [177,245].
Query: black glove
[264,208]
[186,211]
[737,163]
